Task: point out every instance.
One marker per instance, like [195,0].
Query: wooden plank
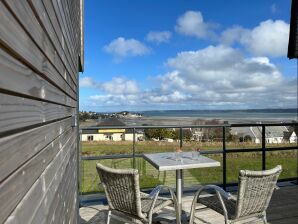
[16,40]
[53,15]
[33,85]
[61,20]
[71,199]
[49,21]
[54,192]
[70,19]
[23,178]
[16,149]
[63,207]
[43,190]
[68,22]
[74,14]
[54,214]
[26,17]
[17,112]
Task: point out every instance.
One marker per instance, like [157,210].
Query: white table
[167,161]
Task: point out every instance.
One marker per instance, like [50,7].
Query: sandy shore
[164,120]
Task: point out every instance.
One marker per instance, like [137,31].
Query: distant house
[111,134]
[139,135]
[197,135]
[290,137]
[273,134]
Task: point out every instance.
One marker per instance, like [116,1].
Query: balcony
[234,153]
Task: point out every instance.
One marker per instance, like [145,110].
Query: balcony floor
[283,209]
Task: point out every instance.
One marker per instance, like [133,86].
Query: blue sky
[183,54]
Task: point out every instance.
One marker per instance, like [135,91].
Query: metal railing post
[181,173]
[181,136]
[263,147]
[224,159]
[134,148]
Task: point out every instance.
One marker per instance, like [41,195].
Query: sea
[251,115]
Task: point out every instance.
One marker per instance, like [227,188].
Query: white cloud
[221,75]
[87,82]
[224,67]
[269,38]
[234,34]
[217,76]
[114,100]
[159,36]
[122,47]
[191,23]
[119,85]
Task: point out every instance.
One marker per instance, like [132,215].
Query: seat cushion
[214,203]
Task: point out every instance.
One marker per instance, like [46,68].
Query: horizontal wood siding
[40,59]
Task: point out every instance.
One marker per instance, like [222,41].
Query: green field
[150,177]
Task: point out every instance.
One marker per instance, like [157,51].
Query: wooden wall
[41,54]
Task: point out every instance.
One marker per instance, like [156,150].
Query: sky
[187,54]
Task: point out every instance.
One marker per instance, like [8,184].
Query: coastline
[188,117]
[167,120]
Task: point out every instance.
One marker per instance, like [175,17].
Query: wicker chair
[254,194]
[123,194]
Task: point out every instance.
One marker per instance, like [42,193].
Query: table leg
[179,190]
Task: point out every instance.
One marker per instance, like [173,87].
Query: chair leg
[265,219]
[109,217]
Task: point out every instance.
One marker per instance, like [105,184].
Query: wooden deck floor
[283,209]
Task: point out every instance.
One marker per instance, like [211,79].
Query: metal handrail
[224,150]
[190,126]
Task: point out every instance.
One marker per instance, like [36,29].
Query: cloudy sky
[187,54]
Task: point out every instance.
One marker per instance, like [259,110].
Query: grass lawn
[150,177]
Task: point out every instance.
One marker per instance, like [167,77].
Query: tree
[247,138]
[232,138]
[212,133]
[159,133]
[186,133]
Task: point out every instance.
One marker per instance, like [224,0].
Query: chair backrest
[255,191]
[122,189]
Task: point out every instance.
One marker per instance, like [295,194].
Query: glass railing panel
[242,161]
[244,137]
[212,175]
[287,158]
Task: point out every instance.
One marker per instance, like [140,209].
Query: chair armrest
[223,193]
[219,192]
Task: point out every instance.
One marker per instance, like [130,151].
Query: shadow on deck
[283,209]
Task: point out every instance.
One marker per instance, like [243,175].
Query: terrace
[46,178]
[232,154]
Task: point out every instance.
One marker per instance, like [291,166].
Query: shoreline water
[165,120]
[187,117]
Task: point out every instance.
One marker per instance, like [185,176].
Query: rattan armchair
[124,196]
[254,194]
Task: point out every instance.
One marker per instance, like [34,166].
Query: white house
[273,134]
[111,134]
[139,135]
[107,135]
